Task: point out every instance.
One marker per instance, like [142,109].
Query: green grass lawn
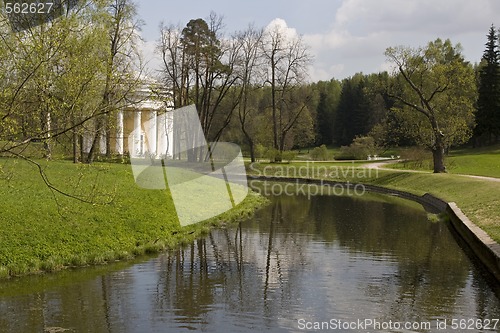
[479,199]
[41,230]
[479,162]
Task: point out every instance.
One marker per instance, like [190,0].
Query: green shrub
[138,251]
[288,155]
[320,153]
[260,151]
[273,155]
[52,264]
[18,269]
[359,149]
[417,158]
[124,255]
[151,248]
[97,259]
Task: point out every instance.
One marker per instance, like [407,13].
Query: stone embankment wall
[485,248]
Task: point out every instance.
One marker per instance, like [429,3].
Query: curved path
[381,166]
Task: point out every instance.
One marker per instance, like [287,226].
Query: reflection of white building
[148,115]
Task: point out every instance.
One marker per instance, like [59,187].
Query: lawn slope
[42,230]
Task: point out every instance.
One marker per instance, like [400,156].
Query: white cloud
[324,72]
[429,16]
[363,29]
[280,25]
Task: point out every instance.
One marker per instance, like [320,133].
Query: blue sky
[305,16]
[344,36]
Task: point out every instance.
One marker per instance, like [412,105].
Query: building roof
[146,98]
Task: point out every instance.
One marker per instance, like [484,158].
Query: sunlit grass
[479,162]
[41,230]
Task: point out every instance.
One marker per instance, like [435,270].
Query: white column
[119,133]
[102,142]
[151,133]
[160,132]
[87,142]
[169,121]
[136,149]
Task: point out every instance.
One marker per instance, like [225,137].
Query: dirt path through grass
[381,166]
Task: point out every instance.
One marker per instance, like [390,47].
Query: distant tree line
[71,75]
[371,104]
[433,98]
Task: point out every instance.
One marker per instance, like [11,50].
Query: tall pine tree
[488,104]
[329,96]
[354,110]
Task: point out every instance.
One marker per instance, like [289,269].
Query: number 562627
[28,8]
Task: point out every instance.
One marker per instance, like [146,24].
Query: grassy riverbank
[483,161]
[479,199]
[41,230]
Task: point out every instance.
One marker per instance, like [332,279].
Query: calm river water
[297,263]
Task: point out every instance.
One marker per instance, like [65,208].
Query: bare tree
[199,68]
[287,59]
[248,67]
[169,47]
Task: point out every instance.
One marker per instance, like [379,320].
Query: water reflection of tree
[230,265]
[260,268]
[185,284]
[432,270]
[80,307]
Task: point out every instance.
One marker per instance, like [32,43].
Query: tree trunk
[75,146]
[93,148]
[95,141]
[250,141]
[273,100]
[438,158]
[46,126]
[47,150]
[108,136]
[252,151]
[82,153]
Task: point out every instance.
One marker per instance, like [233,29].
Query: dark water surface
[295,264]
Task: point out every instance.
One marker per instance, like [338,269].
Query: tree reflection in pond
[327,257]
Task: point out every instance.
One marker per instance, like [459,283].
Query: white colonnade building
[153,137]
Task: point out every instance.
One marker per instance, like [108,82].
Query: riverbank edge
[483,246]
[182,237]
